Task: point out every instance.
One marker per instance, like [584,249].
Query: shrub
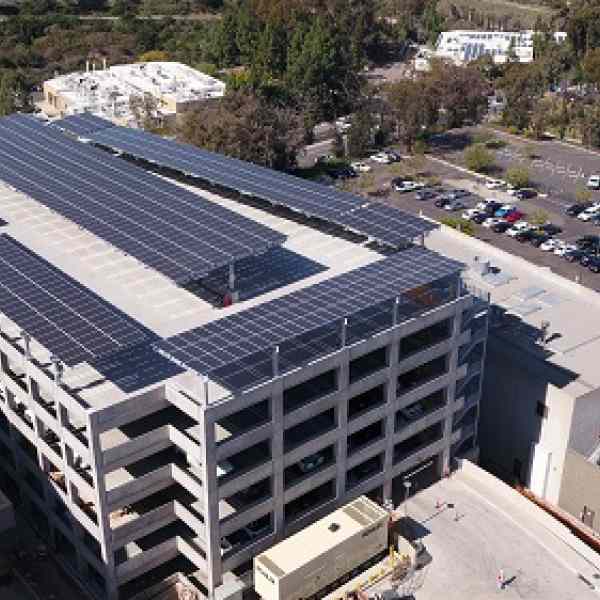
[478,158]
[420,147]
[517,176]
[582,194]
[461,225]
[495,144]
[538,217]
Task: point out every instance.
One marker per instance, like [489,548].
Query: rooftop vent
[333,527]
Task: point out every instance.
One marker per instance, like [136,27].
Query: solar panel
[249,333]
[386,223]
[272,186]
[62,315]
[166,227]
[82,124]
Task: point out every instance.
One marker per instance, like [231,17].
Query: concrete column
[277,452]
[444,464]
[390,407]
[208,457]
[341,451]
[105,540]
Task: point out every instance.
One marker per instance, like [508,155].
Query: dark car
[539,238]
[479,218]
[588,242]
[492,207]
[551,229]
[442,201]
[525,194]
[577,208]
[342,173]
[595,220]
[594,264]
[586,257]
[393,156]
[573,256]
[525,236]
[425,195]
[502,227]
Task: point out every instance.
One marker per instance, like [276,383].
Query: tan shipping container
[315,557]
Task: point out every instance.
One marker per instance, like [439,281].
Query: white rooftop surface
[144,294]
[572,310]
[497,529]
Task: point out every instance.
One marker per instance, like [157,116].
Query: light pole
[407,485]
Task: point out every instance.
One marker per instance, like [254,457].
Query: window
[541,410]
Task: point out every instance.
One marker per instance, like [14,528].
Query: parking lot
[381,176]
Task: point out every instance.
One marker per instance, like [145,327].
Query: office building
[129,94]
[191,373]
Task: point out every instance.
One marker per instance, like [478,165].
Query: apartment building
[195,445]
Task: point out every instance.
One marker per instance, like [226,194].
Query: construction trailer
[311,562]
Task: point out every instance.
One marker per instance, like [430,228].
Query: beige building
[125,94]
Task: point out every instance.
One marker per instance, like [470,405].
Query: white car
[588,213]
[470,213]
[343,124]
[551,245]
[491,221]
[408,186]
[494,184]
[593,182]
[361,167]
[381,157]
[564,248]
[511,190]
[518,228]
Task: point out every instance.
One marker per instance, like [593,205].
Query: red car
[514,216]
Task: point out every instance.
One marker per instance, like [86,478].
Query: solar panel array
[387,223]
[70,321]
[225,341]
[275,187]
[166,227]
[82,124]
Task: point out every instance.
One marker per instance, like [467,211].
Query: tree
[539,217]
[582,194]
[248,127]
[590,125]
[360,134]
[8,90]
[523,87]
[412,109]
[154,56]
[478,158]
[517,176]
[591,66]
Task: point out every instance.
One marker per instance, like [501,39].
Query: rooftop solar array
[166,227]
[65,317]
[387,223]
[82,124]
[275,187]
[228,340]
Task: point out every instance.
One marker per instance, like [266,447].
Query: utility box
[319,555]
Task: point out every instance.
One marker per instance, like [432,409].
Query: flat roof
[530,295]
[318,538]
[484,527]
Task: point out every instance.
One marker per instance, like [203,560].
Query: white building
[463,46]
[109,92]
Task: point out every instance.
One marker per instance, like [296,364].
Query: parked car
[575,255]
[588,213]
[480,218]
[563,248]
[470,213]
[588,242]
[504,210]
[593,182]
[519,227]
[381,157]
[425,194]
[441,201]
[550,228]
[342,172]
[539,238]
[550,245]
[594,264]
[514,216]
[575,209]
[454,205]
[393,155]
[361,167]
[343,124]
[526,235]
[312,462]
[501,227]
[457,194]
[525,193]
[491,221]
[494,184]
[406,185]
